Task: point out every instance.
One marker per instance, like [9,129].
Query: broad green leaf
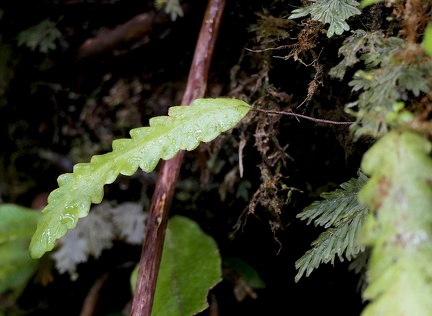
[17,222]
[190,267]
[399,226]
[183,129]
[16,267]
[341,213]
[427,40]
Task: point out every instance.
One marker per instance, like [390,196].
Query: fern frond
[372,47]
[183,129]
[333,12]
[42,36]
[172,7]
[385,81]
[336,206]
[399,226]
[341,210]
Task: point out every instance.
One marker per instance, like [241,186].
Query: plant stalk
[168,174]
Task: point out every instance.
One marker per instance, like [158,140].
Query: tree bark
[168,174]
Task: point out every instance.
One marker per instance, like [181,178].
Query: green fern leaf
[183,129]
[332,12]
[42,36]
[372,47]
[341,210]
[399,227]
[172,7]
[384,83]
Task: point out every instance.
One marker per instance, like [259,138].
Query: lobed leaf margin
[183,129]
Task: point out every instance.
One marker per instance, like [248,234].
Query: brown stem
[164,190]
[134,30]
[303,116]
[91,300]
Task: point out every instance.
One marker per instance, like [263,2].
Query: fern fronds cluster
[332,12]
[387,80]
[343,217]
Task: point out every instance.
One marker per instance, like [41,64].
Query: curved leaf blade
[399,226]
[183,129]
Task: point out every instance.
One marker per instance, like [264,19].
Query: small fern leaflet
[341,213]
[183,129]
[333,12]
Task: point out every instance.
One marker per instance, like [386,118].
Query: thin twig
[164,190]
[302,116]
[133,31]
[91,300]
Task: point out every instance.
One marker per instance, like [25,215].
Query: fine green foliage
[41,36]
[190,266]
[333,12]
[183,129]
[427,40]
[16,267]
[367,46]
[384,83]
[341,213]
[399,226]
